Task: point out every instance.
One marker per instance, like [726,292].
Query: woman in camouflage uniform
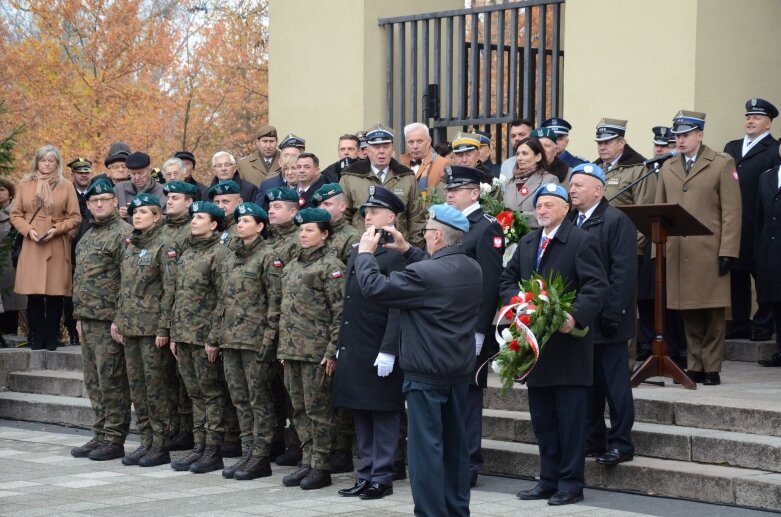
[311,313]
[142,325]
[248,338]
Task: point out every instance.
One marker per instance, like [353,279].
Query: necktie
[689,165]
[581,220]
[541,250]
[268,164]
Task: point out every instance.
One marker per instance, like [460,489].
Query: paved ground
[39,477]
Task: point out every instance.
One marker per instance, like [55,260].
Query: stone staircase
[715,444]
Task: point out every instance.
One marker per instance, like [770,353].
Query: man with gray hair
[428,166]
[224,168]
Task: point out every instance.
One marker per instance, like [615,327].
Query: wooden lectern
[659,222]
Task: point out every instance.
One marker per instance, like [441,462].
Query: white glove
[479,339]
[384,364]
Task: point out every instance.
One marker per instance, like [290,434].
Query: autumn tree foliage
[162,75]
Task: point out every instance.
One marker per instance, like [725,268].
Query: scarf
[521,175]
[44,198]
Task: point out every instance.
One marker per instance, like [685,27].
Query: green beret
[312,215]
[207,207]
[282,194]
[143,199]
[327,191]
[250,209]
[98,187]
[224,187]
[180,187]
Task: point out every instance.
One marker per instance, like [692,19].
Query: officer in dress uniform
[755,153]
[664,140]
[484,242]
[261,164]
[562,128]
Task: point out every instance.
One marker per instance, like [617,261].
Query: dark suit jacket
[266,185]
[761,157]
[768,242]
[248,191]
[322,180]
[574,254]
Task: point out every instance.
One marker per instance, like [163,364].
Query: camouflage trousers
[231,417]
[207,391]
[249,385]
[283,409]
[150,389]
[310,393]
[109,395]
[343,434]
[181,405]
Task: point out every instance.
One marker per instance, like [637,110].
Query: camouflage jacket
[97,276]
[177,231]
[196,318]
[344,238]
[311,312]
[148,283]
[228,235]
[251,295]
[283,239]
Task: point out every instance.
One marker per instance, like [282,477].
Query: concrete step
[64,358]
[52,409]
[669,478]
[662,441]
[48,382]
[749,351]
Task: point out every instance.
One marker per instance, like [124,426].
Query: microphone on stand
[659,160]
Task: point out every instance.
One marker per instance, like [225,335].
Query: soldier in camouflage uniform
[142,324]
[311,313]
[227,195]
[176,232]
[250,301]
[331,198]
[283,239]
[95,287]
[194,340]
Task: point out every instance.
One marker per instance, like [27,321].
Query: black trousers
[9,322]
[611,384]
[473,423]
[377,435]
[43,316]
[740,286]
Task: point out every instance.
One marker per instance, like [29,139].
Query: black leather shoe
[210,460]
[535,493]
[154,457]
[181,441]
[341,461]
[183,464]
[696,376]
[82,451]
[295,478]
[107,451]
[711,379]
[228,472]
[399,471]
[256,467]
[357,489]
[377,491]
[290,457]
[774,361]
[132,458]
[614,457]
[231,450]
[316,478]
[739,332]
[762,334]
[563,497]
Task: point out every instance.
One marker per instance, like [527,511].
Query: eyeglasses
[222,165]
[424,230]
[98,200]
[117,166]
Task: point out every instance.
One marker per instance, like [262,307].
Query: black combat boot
[184,463]
[83,451]
[228,472]
[210,461]
[295,478]
[181,441]
[107,451]
[341,461]
[290,458]
[317,478]
[256,467]
[155,456]
[132,458]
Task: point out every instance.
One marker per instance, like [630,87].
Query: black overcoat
[761,157]
[768,243]
[367,329]
[574,254]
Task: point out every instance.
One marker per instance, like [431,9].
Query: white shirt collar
[747,145]
[380,172]
[468,210]
[589,212]
[552,232]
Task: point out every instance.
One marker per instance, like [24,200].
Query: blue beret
[327,191]
[379,134]
[224,187]
[761,107]
[282,194]
[207,207]
[143,199]
[685,121]
[589,169]
[292,140]
[449,216]
[98,187]
[662,135]
[250,209]
[380,197]
[558,126]
[551,189]
[180,187]
[610,128]
[312,215]
[543,132]
[458,176]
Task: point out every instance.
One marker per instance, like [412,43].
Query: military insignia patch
[137,202]
[143,252]
[336,274]
[371,190]
[171,253]
[277,263]
[498,242]
[242,209]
